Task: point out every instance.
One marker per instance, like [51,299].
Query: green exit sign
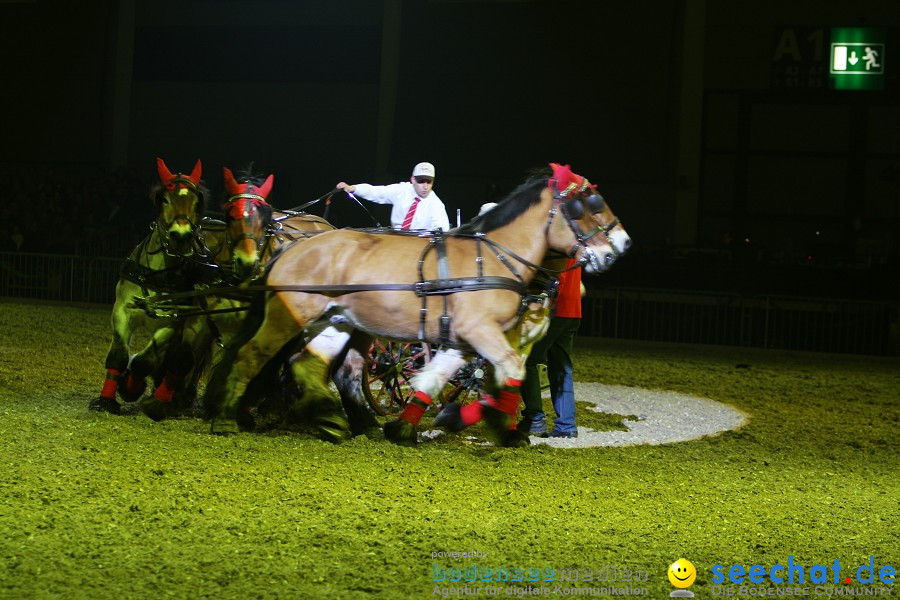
[862,59]
[857,58]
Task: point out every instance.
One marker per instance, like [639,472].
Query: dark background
[733,164]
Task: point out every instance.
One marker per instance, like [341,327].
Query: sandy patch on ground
[665,417]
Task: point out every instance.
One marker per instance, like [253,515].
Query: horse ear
[164,174]
[266,187]
[195,174]
[231,186]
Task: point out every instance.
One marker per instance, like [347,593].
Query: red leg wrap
[133,385]
[111,384]
[509,398]
[415,408]
[471,413]
[166,390]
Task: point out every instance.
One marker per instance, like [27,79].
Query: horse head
[599,237]
[248,222]
[180,204]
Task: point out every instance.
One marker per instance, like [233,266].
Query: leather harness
[443,286]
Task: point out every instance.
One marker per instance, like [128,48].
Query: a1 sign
[857,58]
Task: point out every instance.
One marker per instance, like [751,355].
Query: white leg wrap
[434,375]
[328,344]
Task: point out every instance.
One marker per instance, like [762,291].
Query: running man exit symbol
[857,58]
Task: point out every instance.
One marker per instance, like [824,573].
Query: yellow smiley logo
[682,573]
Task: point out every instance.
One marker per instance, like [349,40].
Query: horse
[256,232]
[238,249]
[253,230]
[380,283]
[162,263]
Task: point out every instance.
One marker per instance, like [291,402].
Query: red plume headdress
[171,182]
[565,181]
[241,194]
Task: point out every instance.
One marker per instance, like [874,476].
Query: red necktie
[407,220]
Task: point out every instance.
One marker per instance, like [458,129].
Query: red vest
[568,302]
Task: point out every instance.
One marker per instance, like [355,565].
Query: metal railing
[763,321]
[58,277]
[768,321]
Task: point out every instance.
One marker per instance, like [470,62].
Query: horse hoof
[224,426]
[374,433]
[334,429]
[450,418]
[496,420]
[514,439]
[402,433]
[134,394]
[155,409]
[246,421]
[104,404]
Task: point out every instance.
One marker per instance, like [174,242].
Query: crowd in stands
[93,214]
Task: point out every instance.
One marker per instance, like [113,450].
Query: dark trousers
[554,350]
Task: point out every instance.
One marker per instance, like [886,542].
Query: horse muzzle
[597,262]
[181,240]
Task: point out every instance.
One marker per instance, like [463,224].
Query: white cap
[423,169]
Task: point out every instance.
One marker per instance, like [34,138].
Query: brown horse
[253,229]
[164,262]
[463,290]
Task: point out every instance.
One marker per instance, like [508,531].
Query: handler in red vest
[555,350]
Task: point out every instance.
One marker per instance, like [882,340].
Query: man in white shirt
[415,205]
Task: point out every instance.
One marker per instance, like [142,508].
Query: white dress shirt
[430,213]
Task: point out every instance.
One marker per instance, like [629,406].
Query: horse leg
[178,364]
[116,364]
[348,380]
[235,370]
[500,411]
[427,384]
[116,360]
[311,370]
[143,364]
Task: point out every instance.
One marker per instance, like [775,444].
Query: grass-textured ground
[99,506]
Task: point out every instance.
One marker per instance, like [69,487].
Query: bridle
[162,227]
[238,210]
[241,207]
[571,201]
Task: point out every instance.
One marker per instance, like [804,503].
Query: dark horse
[463,290]
[164,262]
[237,250]
[232,253]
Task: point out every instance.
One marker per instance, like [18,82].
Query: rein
[443,286]
[302,207]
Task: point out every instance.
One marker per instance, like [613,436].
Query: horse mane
[510,207]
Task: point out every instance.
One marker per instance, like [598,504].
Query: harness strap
[443,275]
[437,244]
